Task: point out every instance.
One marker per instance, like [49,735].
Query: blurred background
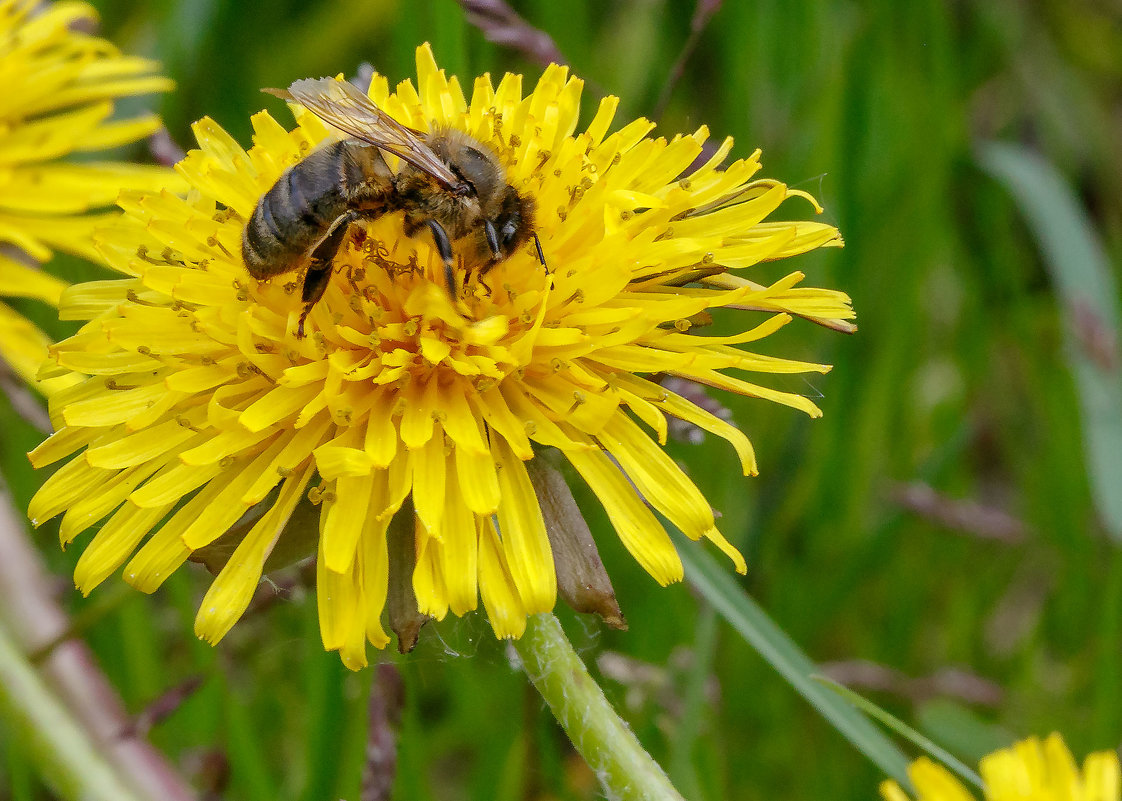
[941,541]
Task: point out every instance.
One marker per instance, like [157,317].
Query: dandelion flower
[1030,770]
[59,87]
[407,418]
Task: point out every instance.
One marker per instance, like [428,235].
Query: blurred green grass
[957,378]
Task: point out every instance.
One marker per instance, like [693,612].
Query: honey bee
[448,182]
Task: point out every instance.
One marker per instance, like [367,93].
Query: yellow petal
[223,445]
[535,420]
[505,611]
[720,381]
[69,483]
[233,588]
[59,444]
[1062,772]
[522,529]
[140,447]
[661,482]
[375,573]
[227,506]
[459,422]
[337,600]
[277,405]
[173,482]
[429,483]
[111,407]
[336,462]
[116,540]
[165,552]
[381,434]
[1102,776]
[891,791]
[417,419]
[493,408]
[638,529]
[933,781]
[26,281]
[477,480]
[428,576]
[345,518]
[102,500]
[459,551]
[295,452]
[684,410]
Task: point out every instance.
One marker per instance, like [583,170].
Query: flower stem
[626,771]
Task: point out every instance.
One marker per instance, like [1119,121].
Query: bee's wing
[347,108]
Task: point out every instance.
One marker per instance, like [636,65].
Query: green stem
[64,754]
[625,770]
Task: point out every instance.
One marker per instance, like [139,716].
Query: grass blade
[63,752]
[894,723]
[1088,294]
[719,588]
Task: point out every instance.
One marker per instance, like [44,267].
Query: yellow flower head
[1030,770]
[203,407]
[59,85]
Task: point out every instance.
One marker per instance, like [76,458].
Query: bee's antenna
[541,254]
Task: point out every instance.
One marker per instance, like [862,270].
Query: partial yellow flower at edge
[59,89]
[201,399]
[1030,770]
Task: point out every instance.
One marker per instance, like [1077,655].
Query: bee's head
[485,208]
[511,226]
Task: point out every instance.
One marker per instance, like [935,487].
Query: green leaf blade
[1088,292]
[719,588]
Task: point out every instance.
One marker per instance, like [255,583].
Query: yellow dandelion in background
[204,411]
[1030,770]
[57,101]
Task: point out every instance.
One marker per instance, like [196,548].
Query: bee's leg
[444,248]
[321,263]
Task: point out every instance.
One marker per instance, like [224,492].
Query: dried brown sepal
[406,619]
[581,578]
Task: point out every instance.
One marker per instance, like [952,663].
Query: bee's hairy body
[309,197]
[304,218]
